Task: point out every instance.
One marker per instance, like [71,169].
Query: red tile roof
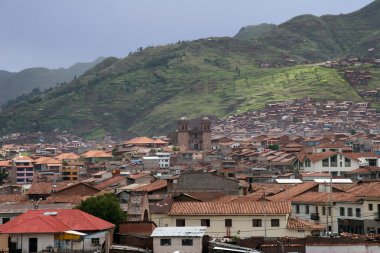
[298,224]
[38,221]
[6,163]
[323,197]
[157,185]
[97,154]
[294,191]
[47,160]
[111,181]
[67,156]
[230,208]
[320,156]
[366,189]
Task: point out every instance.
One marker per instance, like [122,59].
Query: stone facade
[193,135]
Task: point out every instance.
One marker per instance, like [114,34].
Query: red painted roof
[35,221]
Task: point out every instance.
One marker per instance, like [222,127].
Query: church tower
[183,132]
[206,133]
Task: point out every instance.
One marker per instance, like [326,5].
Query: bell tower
[183,132]
[206,133]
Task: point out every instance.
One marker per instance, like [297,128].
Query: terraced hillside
[146,92]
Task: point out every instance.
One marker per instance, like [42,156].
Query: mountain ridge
[145,92]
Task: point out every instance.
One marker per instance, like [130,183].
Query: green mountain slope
[253,32]
[330,36]
[146,92]
[13,85]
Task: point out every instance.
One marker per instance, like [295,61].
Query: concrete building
[164,160]
[22,170]
[178,239]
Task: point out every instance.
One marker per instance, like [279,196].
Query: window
[297,208]
[228,222]
[329,210]
[307,163]
[341,210]
[347,162]
[349,211]
[358,212]
[95,242]
[323,210]
[307,209]
[205,222]
[275,222]
[334,161]
[5,220]
[180,222]
[187,242]
[256,223]
[370,207]
[165,242]
[325,162]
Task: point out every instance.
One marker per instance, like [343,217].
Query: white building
[178,239]
[164,160]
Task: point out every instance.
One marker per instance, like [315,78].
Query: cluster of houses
[303,117]
[195,193]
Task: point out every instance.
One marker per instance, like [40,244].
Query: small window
[95,242]
[187,242]
[370,207]
[341,210]
[5,220]
[358,212]
[323,210]
[228,222]
[275,222]
[349,211]
[347,162]
[325,162]
[180,222]
[165,242]
[297,208]
[205,222]
[307,209]
[256,223]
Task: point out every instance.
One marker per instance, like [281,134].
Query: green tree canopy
[106,207]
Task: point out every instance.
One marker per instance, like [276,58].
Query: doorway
[32,245]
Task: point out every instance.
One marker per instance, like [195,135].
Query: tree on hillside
[3,175]
[106,207]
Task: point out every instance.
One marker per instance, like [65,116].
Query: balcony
[314,216]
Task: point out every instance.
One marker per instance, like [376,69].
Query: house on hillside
[58,230]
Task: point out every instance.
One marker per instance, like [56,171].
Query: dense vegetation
[147,91]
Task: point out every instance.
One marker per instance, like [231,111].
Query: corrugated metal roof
[334,180]
[179,232]
[288,181]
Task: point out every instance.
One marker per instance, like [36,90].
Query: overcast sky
[58,33]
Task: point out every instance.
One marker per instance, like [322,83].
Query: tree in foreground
[106,207]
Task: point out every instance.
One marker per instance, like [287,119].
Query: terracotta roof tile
[293,191]
[67,156]
[320,156]
[323,197]
[157,185]
[229,208]
[298,224]
[111,181]
[6,163]
[97,154]
[366,189]
[13,198]
[47,160]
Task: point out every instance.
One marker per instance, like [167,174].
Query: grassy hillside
[146,92]
[13,85]
[330,36]
[253,32]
